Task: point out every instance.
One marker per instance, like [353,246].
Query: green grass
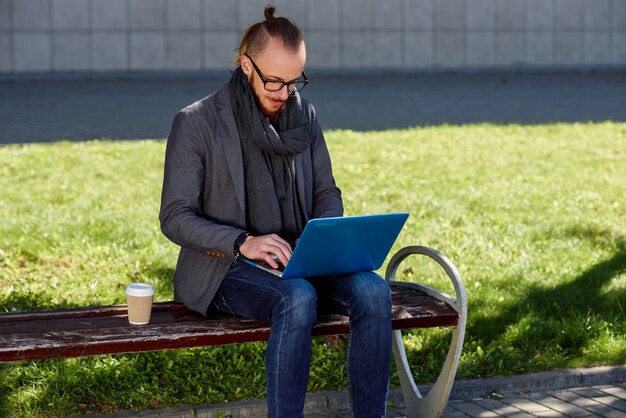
[532,216]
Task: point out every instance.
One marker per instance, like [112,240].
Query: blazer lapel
[232,146]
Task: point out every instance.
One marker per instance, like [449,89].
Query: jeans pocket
[221,304]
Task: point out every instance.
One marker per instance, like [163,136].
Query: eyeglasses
[277,85]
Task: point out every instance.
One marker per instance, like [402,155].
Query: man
[245,169]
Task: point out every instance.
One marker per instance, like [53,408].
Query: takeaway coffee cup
[139,302]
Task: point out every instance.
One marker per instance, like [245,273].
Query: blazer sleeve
[326,195]
[181,216]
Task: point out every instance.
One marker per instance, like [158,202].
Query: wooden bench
[65,333]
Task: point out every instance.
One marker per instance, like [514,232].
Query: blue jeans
[291,306]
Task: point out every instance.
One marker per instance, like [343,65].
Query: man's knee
[297,302]
[374,295]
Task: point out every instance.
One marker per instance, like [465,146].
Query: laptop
[341,245]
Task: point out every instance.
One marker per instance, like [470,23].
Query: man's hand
[263,247]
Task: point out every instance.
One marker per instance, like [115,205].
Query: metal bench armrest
[432,404]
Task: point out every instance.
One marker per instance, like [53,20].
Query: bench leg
[433,404]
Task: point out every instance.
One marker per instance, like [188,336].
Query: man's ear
[246,65]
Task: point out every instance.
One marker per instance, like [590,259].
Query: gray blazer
[203,197]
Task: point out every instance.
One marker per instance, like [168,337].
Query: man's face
[277,64]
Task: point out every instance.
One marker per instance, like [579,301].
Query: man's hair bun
[258,35]
[270,12]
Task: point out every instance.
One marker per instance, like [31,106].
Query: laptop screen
[344,245]
[341,245]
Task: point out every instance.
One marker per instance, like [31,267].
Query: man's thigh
[254,293]
[343,294]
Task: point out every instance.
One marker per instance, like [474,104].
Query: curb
[536,382]
[333,402]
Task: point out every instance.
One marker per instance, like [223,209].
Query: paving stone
[455,414]
[576,399]
[542,397]
[581,401]
[568,409]
[606,411]
[618,392]
[520,414]
[526,405]
[589,392]
[551,413]
[497,407]
[612,401]
[473,410]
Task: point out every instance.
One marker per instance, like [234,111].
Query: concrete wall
[160,35]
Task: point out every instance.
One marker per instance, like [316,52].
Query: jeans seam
[347,306]
[278,373]
[348,370]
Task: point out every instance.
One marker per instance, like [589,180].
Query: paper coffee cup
[139,301]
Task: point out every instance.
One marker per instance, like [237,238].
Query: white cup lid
[140,289]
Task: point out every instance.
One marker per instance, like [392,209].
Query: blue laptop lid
[347,244]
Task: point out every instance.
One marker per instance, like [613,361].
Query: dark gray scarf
[272,204]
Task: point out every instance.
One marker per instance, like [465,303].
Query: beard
[272,114]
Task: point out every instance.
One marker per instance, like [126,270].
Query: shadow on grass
[159,275]
[162,278]
[547,328]
[570,314]
[135,381]
[14,302]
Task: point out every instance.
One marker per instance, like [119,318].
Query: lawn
[534,217]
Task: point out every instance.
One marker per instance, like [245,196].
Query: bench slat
[105,330]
